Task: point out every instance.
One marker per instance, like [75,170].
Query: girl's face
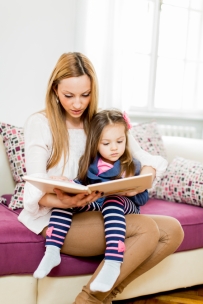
[74,94]
[112,142]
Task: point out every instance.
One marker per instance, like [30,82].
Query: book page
[47,185]
[133,183]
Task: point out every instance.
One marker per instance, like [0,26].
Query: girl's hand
[78,200]
[132,193]
[144,170]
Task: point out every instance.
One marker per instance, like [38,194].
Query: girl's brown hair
[97,124]
[69,65]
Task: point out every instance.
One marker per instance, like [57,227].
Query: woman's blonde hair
[69,65]
[97,125]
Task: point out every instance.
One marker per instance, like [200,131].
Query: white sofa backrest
[189,148]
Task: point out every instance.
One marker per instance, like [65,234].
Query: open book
[133,183]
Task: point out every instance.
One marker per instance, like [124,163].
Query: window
[179,67]
[148,54]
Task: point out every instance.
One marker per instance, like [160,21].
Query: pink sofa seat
[21,250]
[190,217]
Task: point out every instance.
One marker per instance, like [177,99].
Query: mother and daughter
[71,138]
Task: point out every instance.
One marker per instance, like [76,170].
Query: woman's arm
[147,170]
[38,143]
[156,162]
[37,151]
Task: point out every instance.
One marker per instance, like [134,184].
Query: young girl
[106,157]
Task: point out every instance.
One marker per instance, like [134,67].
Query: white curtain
[98,27]
[117,37]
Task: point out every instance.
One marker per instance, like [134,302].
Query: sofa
[21,250]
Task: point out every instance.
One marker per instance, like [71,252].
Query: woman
[54,141]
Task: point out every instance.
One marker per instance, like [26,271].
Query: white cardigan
[38,144]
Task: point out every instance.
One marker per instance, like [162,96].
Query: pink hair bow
[127,120]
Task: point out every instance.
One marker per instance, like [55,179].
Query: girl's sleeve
[141,198]
[37,151]
[156,161]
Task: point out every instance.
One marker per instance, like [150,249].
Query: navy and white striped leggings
[114,209]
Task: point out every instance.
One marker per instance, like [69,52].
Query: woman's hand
[78,200]
[63,200]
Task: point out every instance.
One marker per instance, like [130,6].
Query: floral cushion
[13,139]
[149,138]
[182,182]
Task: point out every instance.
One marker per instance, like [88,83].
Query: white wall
[33,34]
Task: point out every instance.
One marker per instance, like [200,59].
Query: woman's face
[74,94]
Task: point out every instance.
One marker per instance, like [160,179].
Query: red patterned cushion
[149,138]
[182,182]
[13,139]
[2,200]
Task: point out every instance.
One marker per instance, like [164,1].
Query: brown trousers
[149,239]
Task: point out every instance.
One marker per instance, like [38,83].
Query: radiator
[182,131]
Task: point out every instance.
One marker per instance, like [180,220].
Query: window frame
[150,111]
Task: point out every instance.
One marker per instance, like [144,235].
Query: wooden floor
[192,295]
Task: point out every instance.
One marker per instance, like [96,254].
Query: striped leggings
[114,209]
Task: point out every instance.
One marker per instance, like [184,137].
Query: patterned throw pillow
[149,138]
[182,182]
[13,139]
[2,200]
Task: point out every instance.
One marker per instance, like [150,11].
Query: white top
[38,143]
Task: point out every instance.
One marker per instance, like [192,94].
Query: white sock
[51,259]
[107,276]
